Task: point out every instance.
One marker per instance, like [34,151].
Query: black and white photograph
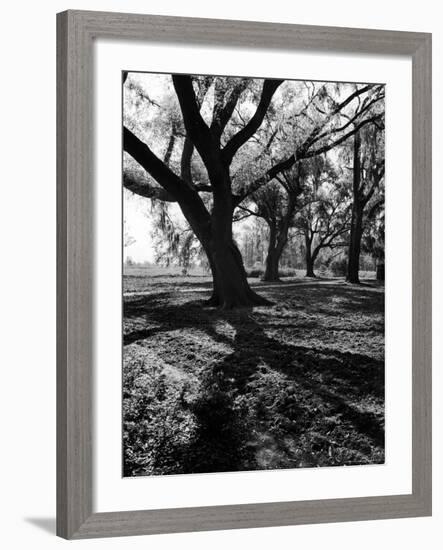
[253,245]
[221,244]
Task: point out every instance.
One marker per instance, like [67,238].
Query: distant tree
[324,218]
[253,242]
[367,177]
[275,204]
[373,241]
[320,124]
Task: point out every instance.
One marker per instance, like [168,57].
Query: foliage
[339,267]
[292,170]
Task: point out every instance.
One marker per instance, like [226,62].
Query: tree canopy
[228,147]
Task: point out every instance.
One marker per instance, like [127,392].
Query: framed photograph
[244,274]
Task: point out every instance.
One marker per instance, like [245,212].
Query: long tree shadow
[322,384]
[222,428]
[336,377]
[161,316]
[159,308]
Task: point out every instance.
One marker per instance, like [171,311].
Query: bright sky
[138,226]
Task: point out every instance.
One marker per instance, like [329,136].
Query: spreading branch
[241,137]
[140,152]
[138,183]
[224,105]
[196,127]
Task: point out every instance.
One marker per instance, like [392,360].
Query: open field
[296,384]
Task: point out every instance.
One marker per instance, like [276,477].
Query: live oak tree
[205,117]
[212,228]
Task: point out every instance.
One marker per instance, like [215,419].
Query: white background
[28,274]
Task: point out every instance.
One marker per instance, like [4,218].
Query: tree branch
[140,152]
[185,161]
[139,184]
[340,140]
[223,109]
[351,120]
[251,212]
[196,127]
[300,155]
[239,139]
[313,136]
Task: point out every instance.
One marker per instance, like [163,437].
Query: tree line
[306,158]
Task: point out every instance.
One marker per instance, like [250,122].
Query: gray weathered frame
[76,31]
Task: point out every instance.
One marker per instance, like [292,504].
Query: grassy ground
[297,384]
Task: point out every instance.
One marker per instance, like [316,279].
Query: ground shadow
[270,402]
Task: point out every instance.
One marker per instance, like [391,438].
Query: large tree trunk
[309,266]
[272,257]
[278,237]
[271,269]
[309,258]
[355,245]
[230,285]
[380,271]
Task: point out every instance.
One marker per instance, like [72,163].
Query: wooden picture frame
[76,31]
